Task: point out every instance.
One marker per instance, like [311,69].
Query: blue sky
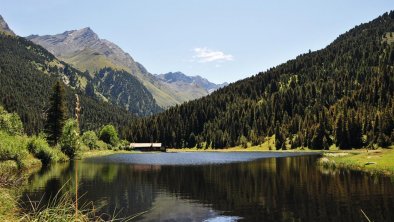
[222,40]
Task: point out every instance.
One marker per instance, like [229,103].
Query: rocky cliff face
[4,27]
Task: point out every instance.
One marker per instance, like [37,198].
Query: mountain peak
[4,27]
[85,34]
[86,30]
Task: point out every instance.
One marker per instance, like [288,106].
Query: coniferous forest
[27,74]
[342,95]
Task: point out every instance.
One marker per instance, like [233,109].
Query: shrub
[124,145]
[102,145]
[13,148]
[40,149]
[69,140]
[89,138]
[10,122]
[109,135]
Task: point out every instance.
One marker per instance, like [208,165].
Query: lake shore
[379,161]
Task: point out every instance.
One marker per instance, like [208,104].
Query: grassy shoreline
[379,161]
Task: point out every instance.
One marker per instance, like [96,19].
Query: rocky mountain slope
[86,51]
[4,27]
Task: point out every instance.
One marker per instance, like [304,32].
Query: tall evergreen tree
[56,115]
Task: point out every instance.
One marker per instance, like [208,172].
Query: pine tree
[279,138]
[56,115]
[339,131]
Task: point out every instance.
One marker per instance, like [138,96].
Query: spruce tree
[56,114]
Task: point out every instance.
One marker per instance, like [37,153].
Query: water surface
[221,187]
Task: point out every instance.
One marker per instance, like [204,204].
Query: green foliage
[40,149]
[337,94]
[10,122]
[124,145]
[69,140]
[56,114]
[279,138]
[102,145]
[13,148]
[89,138]
[109,135]
[243,141]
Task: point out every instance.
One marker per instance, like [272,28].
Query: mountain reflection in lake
[270,189]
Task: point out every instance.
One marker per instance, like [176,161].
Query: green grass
[88,60]
[60,208]
[374,161]
[9,206]
[94,153]
[11,182]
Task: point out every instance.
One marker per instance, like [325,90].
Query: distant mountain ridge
[86,51]
[173,77]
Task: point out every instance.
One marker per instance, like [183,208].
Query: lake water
[220,187]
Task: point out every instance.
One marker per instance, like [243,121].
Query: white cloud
[208,55]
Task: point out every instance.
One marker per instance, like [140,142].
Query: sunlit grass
[376,161]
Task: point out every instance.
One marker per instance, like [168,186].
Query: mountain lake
[216,186]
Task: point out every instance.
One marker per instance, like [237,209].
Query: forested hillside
[27,74]
[124,90]
[341,95]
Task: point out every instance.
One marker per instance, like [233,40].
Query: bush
[13,148]
[89,138]
[10,123]
[124,145]
[109,135]
[102,145]
[69,140]
[40,149]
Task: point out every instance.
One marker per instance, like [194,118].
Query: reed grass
[61,208]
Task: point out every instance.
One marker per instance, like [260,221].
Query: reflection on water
[273,189]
